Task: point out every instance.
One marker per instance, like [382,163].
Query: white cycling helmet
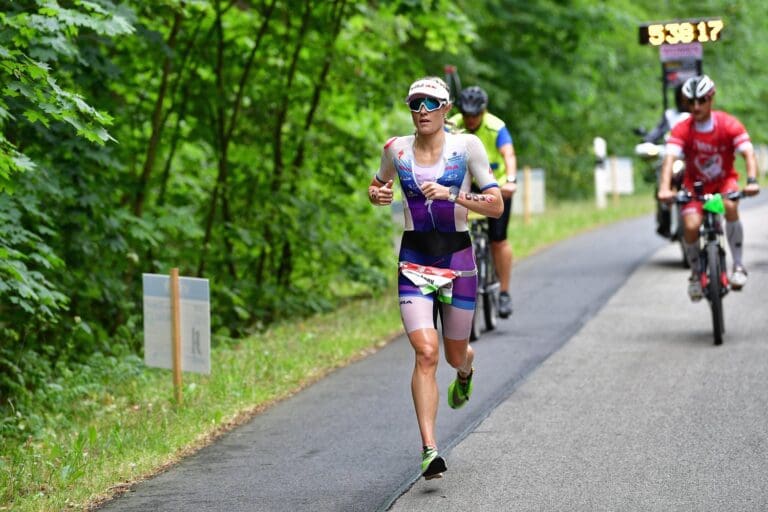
[698,87]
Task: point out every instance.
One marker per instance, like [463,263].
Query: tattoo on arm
[483,198]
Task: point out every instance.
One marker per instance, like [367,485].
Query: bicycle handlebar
[685,196]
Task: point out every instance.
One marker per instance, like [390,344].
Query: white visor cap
[426,87]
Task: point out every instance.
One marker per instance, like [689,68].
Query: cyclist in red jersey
[709,141]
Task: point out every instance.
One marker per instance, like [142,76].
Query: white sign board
[537,192]
[614,175]
[671,52]
[194,296]
[622,166]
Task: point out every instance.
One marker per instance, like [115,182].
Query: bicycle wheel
[479,316]
[714,292]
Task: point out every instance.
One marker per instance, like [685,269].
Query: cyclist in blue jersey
[435,170]
[475,118]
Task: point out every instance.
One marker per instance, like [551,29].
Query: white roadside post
[601,152]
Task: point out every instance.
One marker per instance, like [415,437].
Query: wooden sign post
[177,325]
[526,194]
[176,332]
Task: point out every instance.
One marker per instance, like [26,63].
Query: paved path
[350,442]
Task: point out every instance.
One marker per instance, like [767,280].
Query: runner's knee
[426,358]
[456,352]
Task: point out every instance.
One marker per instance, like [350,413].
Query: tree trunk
[157,125]
[224,133]
[286,264]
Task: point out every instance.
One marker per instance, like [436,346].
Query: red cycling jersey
[709,149]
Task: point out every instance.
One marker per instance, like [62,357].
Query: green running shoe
[432,464]
[460,390]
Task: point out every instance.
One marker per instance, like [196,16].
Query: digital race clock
[681,31]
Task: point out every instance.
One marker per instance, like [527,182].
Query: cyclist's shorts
[497,228]
[417,309]
[729,184]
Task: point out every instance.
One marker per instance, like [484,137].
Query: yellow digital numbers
[681,32]
[714,26]
[656,34]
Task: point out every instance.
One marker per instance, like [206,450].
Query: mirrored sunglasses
[431,104]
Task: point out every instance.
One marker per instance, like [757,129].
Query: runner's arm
[488,202]
[380,194]
[380,189]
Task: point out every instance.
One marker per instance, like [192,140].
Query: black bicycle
[712,269]
[488,285]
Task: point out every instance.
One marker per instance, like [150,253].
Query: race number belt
[434,279]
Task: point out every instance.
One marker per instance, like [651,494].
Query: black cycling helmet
[473,100]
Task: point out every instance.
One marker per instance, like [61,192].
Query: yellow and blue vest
[494,134]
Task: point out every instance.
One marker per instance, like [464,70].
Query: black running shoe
[432,464]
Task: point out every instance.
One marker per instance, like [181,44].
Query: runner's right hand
[383,195]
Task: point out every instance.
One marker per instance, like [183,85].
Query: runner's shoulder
[394,144]
[464,139]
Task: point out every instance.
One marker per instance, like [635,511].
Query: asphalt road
[539,430]
[639,411]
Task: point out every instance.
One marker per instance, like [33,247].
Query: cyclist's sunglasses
[702,101]
[431,104]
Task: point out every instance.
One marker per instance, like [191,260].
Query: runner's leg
[424,383]
[457,316]
[460,355]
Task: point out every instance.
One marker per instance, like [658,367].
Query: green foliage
[246,136]
[24,260]
[235,140]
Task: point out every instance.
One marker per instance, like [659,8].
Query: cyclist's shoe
[505,305]
[460,390]
[738,278]
[432,464]
[694,288]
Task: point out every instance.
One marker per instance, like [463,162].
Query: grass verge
[124,427]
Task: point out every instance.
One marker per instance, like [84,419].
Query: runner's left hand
[433,190]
